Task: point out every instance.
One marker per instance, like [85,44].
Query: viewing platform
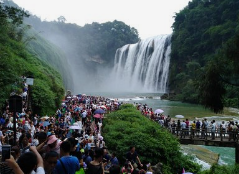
[204,137]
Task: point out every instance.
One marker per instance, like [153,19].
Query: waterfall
[144,66]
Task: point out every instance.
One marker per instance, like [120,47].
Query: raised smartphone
[6,152]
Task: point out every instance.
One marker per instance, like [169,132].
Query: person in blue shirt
[114,160]
[66,164]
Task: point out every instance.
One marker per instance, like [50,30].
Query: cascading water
[144,66]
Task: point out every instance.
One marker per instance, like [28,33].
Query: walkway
[222,139]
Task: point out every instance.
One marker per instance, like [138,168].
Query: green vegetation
[205,44]
[127,127]
[216,169]
[49,53]
[15,61]
[93,42]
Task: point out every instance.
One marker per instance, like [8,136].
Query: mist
[109,57]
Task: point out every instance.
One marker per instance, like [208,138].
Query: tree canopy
[204,51]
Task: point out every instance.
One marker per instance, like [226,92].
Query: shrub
[128,127]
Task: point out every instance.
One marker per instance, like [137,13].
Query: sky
[149,17]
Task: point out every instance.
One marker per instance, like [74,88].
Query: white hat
[101,138]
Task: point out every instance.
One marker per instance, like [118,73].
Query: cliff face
[16,61]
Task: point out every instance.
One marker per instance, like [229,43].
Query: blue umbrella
[46,123]
[99,111]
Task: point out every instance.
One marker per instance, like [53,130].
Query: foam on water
[205,166]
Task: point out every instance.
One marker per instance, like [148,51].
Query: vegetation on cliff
[128,127]
[204,55]
[16,61]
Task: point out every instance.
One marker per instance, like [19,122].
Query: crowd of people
[67,142]
[194,128]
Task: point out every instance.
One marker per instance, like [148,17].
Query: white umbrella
[74,127]
[104,107]
[45,117]
[179,116]
[158,111]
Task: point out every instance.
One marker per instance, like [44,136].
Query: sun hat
[51,139]
[101,138]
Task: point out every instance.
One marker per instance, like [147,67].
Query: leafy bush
[128,127]
[216,169]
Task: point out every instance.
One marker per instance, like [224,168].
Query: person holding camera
[128,168]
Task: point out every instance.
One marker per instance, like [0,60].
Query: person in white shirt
[24,95]
[1,136]
[33,130]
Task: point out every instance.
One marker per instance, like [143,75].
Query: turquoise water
[227,155]
[153,100]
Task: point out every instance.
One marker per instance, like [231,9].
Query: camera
[6,152]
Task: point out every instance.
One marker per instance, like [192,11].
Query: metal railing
[206,134]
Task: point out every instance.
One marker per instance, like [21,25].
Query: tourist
[50,161]
[24,143]
[234,131]
[31,161]
[74,151]
[133,157]
[184,129]
[96,166]
[66,164]
[204,128]
[198,125]
[87,158]
[114,169]
[173,127]
[213,129]
[178,126]
[100,142]
[114,160]
[128,168]
[1,138]
[193,128]
[52,144]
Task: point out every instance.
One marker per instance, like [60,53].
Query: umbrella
[179,116]
[74,127]
[97,116]
[46,123]
[99,111]
[158,111]
[45,117]
[103,107]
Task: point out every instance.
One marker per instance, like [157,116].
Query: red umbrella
[97,116]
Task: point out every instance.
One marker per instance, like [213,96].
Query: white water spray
[144,66]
